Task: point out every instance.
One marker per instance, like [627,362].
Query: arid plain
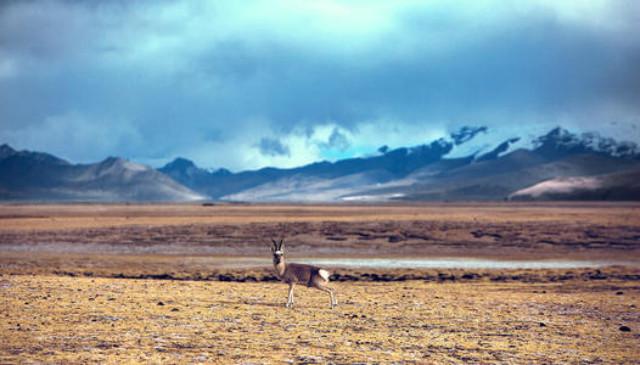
[191,284]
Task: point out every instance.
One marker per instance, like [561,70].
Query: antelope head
[278,251]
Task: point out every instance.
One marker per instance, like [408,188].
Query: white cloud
[209,80]
[78,137]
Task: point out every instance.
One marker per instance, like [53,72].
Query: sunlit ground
[81,320]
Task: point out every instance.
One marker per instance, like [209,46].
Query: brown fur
[293,274]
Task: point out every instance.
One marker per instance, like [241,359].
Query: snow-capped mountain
[480,141]
[472,163]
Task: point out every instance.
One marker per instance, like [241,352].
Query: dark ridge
[495,153]
[528,276]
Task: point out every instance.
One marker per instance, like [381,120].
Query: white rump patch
[324,274]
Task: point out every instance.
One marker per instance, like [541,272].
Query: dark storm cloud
[273,147]
[151,80]
[337,140]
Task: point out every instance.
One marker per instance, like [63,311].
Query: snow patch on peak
[497,143]
[488,144]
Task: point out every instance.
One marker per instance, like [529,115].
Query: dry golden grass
[71,216]
[83,320]
[456,317]
[583,231]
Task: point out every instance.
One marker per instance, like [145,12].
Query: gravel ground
[55,319]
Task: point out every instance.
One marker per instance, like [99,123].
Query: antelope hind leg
[321,286]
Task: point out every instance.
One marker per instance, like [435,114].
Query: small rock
[310,359]
[542,324]
[624,329]
[160,303]
[619,293]
[395,238]
[201,358]
[175,309]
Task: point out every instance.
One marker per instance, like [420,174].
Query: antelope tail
[324,274]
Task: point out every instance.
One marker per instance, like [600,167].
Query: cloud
[337,140]
[219,82]
[273,147]
[80,138]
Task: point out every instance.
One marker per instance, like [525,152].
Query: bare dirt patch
[86,320]
[192,284]
[477,230]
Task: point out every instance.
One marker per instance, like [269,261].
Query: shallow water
[464,263]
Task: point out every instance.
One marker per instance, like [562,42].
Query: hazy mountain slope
[393,164]
[28,175]
[486,181]
[623,185]
[469,164]
[484,169]
[311,188]
[188,174]
[494,176]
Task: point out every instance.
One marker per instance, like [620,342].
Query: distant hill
[470,164]
[26,175]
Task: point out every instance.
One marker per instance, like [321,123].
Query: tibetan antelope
[292,274]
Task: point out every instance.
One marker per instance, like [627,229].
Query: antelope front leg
[290,299]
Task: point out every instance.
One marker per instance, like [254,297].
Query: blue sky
[246,84]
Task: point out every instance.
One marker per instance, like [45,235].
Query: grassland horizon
[187,283]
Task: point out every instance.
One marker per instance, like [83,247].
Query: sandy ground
[65,216]
[474,230]
[188,284]
[84,320]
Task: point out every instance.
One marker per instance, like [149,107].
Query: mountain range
[556,165]
[37,176]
